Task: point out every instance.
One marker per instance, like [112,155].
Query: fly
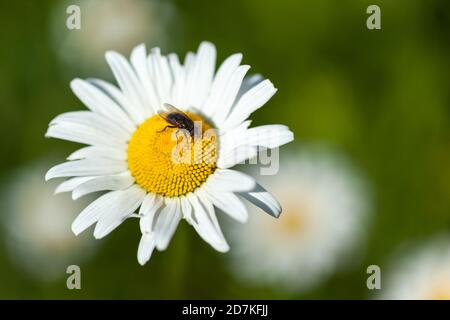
[176,119]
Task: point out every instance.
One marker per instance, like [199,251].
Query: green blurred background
[380,96]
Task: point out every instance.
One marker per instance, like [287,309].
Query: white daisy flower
[37,225]
[421,274]
[131,146]
[324,213]
[107,24]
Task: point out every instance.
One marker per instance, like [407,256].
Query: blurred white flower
[421,274]
[37,225]
[323,220]
[110,24]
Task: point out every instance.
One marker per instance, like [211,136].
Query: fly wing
[168,108]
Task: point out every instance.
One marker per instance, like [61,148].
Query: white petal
[268,136]
[149,207]
[124,204]
[186,209]
[129,84]
[86,167]
[199,77]
[97,101]
[99,152]
[228,95]
[162,76]
[189,62]
[205,226]
[114,182]
[227,202]
[119,97]
[250,101]
[224,73]
[146,247]
[209,208]
[167,223]
[179,81]
[111,201]
[229,158]
[175,66]
[91,119]
[264,200]
[231,180]
[232,137]
[230,140]
[141,67]
[240,144]
[248,83]
[84,134]
[71,184]
[92,213]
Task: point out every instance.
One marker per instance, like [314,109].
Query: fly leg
[166,128]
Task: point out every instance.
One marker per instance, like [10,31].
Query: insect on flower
[177,119]
[130,152]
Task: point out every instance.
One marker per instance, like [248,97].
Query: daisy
[422,274]
[107,24]
[36,224]
[324,218]
[131,147]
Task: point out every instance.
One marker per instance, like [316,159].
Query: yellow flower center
[292,222]
[440,289]
[296,217]
[169,161]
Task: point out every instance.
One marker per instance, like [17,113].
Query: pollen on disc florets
[169,162]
